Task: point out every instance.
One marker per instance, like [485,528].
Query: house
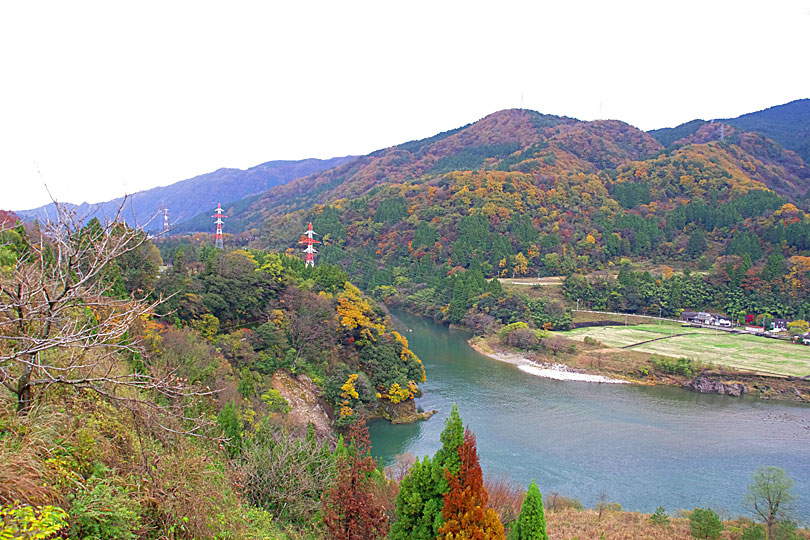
[704,318]
[780,324]
[725,323]
[687,316]
[754,329]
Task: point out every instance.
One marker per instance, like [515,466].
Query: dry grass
[26,443]
[745,352]
[549,288]
[568,524]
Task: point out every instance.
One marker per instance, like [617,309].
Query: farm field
[738,351]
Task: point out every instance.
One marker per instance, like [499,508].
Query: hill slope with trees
[788,125]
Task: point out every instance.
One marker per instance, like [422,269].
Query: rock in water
[704,385]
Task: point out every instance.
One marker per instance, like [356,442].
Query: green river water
[641,446]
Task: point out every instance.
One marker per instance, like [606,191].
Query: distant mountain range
[188,198]
[788,125]
[768,149]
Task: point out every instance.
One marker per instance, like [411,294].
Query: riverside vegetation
[120,423]
[716,219]
[201,399]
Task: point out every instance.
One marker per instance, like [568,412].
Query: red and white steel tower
[219,215]
[310,242]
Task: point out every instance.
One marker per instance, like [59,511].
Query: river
[640,446]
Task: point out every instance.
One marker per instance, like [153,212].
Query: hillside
[520,193]
[189,197]
[788,125]
[524,171]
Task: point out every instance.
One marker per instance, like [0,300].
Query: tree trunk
[24,397]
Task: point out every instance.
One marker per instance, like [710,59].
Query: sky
[100,99]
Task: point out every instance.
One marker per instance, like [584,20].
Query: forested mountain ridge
[551,144]
[519,193]
[187,198]
[788,125]
[568,178]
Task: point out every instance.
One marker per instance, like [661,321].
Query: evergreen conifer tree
[531,523]
[420,499]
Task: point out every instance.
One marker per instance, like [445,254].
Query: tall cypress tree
[465,505]
[421,493]
[531,524]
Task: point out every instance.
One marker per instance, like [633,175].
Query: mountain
[560,160]
[202,193]
[522,193]
[519,140]
[788,125]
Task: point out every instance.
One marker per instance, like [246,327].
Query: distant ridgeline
[188,198]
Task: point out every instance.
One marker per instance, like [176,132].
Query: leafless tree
[59,322]
[286,474]
[309,323]
[556,344]
[401,467]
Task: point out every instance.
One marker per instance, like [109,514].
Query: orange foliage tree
[350,509]
[465,514]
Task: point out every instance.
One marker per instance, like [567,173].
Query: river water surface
[641,446]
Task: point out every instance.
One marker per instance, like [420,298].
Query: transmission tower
[165,219]
[308,240]
[219,215]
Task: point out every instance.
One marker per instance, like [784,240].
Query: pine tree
[464,511]
[531,523]
[420,499]
[350,511]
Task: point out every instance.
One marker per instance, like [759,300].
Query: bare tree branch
[61,324]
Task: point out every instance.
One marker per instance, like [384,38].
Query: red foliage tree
[465,514]
[350,510]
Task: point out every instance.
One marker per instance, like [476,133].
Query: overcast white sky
[98,99]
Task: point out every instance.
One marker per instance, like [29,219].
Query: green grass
[704,345]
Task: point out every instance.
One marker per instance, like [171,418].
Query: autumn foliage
[465,513]
[350,510]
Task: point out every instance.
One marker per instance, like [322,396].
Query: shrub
[522,338]
[503,333]
[275,401]
[103,511]
[557,344]
[555,501]
[682,366]
[25,521]
[754,532]
[659,517]
[286,475]
[704,523]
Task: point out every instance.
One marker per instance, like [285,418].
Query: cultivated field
[721,348]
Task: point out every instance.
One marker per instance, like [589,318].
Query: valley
[194,389]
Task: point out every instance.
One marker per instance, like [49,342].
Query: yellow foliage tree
[396,393]
[521,265]
[348,393]
[354,313]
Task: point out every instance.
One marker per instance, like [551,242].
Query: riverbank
[556,371]
[597,363]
